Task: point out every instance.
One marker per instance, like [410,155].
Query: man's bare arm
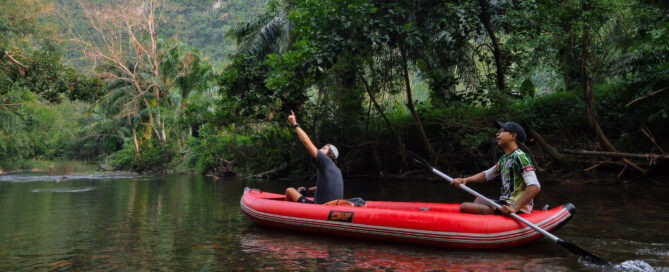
[480,177]
[529,194]
[304,138]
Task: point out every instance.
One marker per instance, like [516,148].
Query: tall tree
[586,83]
[485,16]
[125,40]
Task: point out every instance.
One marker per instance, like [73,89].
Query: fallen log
[616,154]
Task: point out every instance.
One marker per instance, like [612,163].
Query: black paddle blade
[592,258]
[417,160]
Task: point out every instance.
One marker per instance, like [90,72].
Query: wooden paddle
[569,246]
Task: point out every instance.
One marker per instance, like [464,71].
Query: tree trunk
[589,103]
[407,84]
[367,119]
[552,151]
[484,16]
[161,124]
[162,130]
[148,107]
[592,120]
[378,108]
[134,138]
[563,65]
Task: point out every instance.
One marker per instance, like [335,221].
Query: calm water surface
[187,223]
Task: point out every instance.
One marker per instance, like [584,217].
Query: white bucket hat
[334,150]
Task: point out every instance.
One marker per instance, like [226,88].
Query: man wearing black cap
[519,182]
[329,181]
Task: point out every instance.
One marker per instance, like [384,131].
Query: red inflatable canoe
[412,222]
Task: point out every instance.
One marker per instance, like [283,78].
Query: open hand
[291,118]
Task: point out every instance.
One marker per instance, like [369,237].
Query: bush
[152,157]
[226,152]
[32,129]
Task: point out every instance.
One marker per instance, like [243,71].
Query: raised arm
[304,138]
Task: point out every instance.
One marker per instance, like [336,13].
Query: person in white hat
[329,181]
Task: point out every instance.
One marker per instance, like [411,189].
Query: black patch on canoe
[340,216]
[572,209]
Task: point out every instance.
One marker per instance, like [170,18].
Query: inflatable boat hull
[412,222]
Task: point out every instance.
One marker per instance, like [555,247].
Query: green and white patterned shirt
[517,173]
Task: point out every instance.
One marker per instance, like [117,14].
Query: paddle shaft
[487,200]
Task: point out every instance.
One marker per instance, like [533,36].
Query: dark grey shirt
[329,183]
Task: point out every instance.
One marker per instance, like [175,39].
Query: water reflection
[138,223]
[287,251]
[187,223]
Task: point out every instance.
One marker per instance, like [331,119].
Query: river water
[187,223]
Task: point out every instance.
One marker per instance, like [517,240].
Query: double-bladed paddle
[569,246]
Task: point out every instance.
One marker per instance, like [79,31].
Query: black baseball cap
[512,127]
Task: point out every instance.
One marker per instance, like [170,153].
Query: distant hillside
[200,24]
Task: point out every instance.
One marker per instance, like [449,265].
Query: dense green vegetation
[177,86]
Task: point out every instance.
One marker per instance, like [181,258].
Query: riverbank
[52,168]
[577,175]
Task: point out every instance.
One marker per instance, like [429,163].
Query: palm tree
[121,104]
[268,32]
[198,77]
[186,74]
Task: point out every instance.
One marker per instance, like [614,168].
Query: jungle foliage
[376,78]
[37,92]
[558,67]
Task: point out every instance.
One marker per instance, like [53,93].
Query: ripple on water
[653,252]
[635,266]
[650,251]
[62,190]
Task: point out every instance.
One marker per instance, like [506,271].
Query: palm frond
[269,32]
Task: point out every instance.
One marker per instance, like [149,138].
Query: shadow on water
[194,223]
